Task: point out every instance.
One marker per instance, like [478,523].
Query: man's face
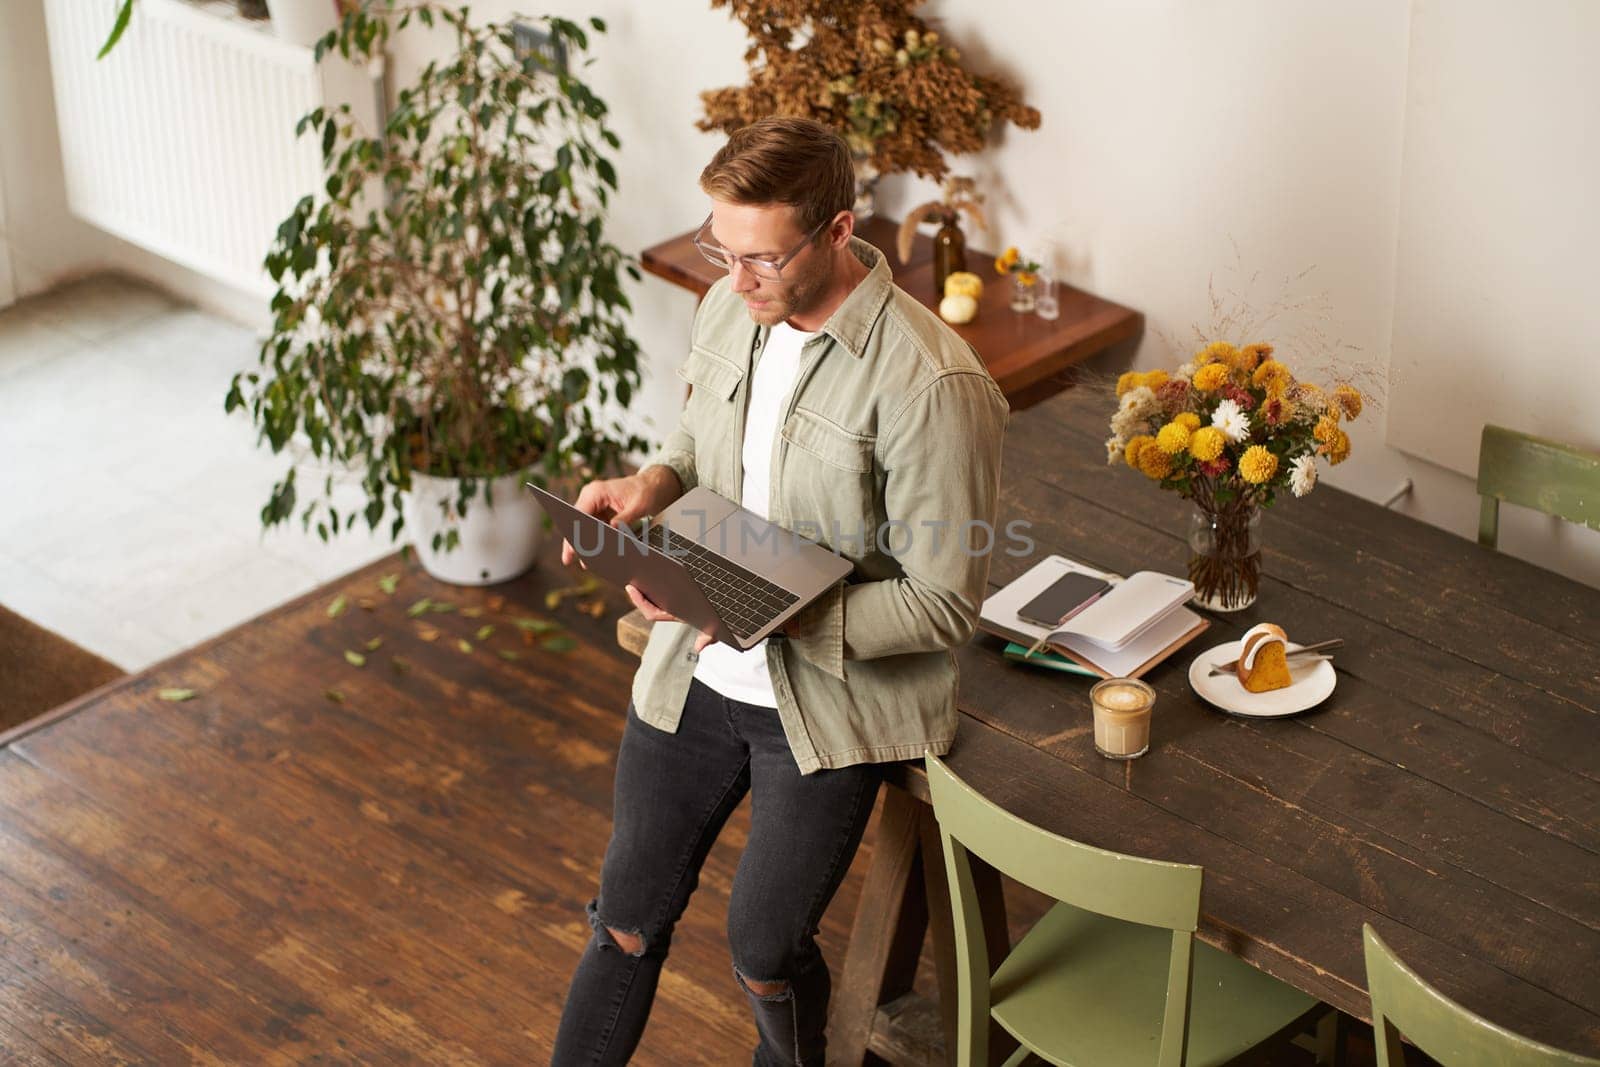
[769,231]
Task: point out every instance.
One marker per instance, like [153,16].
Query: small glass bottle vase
[1225,556]
[1022,295]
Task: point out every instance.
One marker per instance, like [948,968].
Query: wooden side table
[1030,358]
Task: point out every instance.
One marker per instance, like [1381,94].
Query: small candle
[1122,717]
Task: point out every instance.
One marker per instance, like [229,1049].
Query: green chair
[1549,476]
[1403,1003]
[1112,974]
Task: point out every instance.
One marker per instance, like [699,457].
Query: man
[838,407]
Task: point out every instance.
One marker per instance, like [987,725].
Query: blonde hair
[793,161]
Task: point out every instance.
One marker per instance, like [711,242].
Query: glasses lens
[759,268]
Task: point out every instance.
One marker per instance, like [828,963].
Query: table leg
[886,938]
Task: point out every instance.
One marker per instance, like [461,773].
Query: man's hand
[649,610]
[621,501]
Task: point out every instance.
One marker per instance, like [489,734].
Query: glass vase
[1225,555]
[1022,296]
[949,255]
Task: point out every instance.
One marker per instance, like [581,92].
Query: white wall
[1184,144]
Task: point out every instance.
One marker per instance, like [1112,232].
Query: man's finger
[703,640]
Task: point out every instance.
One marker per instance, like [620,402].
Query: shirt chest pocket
[714,383]
[829,478]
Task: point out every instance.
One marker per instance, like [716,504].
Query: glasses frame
[721,257]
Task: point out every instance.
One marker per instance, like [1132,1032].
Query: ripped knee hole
[628,941]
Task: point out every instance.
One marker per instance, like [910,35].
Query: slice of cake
[1263,659]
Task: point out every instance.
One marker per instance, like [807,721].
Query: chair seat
[1088,991]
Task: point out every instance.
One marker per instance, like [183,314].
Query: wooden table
[1030,358]
[1448,792]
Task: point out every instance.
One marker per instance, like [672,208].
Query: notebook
[1139,623]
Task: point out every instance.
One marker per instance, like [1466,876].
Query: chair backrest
[1549,476]
[1402,1003]
[1131,888]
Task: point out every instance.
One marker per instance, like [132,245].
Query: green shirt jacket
[889,455]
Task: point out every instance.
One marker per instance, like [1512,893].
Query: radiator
[182,139]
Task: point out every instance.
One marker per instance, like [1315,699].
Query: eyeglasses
[768,270]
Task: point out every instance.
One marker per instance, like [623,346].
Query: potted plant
[465,332]
[892,87]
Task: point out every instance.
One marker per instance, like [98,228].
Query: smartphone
[1064,598]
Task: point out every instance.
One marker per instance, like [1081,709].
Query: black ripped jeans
[674,792]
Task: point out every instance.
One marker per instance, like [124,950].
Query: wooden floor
[264,874]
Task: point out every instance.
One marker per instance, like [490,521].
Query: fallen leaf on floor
[418,608]
[472,613]
[400,664]
[366,603]
[372,646]
[355,659]
[538,626]
[464,645]
[336,608]
[484,631]
[508,653]
[176,694]
[440,606]
[497,603]
[388,583]
[427,633]
[559,643]
[593,608]
[334,695]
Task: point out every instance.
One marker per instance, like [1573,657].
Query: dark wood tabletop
[1030,358]
[1448,792]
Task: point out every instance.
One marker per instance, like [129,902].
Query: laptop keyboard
[745,600]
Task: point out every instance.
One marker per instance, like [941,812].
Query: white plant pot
[498,542]
[303,22]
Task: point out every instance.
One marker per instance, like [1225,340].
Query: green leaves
[117,29]
[470,322]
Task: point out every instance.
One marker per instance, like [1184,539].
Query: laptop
[715,565]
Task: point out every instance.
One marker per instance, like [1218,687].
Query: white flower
[1303,475]
[1141,401]
[1138,406]
[1186,371]
[1232,421]
[1115,447]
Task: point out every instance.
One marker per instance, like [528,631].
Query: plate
[1312,683]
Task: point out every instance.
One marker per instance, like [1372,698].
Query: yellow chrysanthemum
[1156,379]
[1135,447]
[1210,377]
[1188,420]
[1173,438]
[1216,352]
[1338,449]
[1348,399]
[1207,443]
[1251,356]
[1257,465]
[1273,377]
[1003,262]
[1127,380]
[1154,463]
[1326,428]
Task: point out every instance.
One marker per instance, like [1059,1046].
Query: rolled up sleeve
[941,497]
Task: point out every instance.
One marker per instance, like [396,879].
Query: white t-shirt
[737,675]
